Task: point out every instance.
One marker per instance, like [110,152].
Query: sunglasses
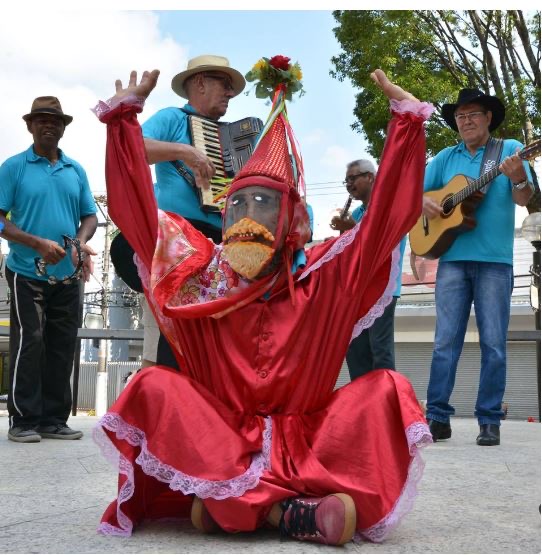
[226,81]
[351,178]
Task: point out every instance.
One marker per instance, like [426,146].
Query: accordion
[228,146]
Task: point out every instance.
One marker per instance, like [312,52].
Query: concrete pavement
[471,500]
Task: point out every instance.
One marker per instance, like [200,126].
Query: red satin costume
[253,417]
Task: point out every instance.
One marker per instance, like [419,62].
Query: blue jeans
[459,284]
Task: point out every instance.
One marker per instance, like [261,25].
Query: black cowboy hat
[122,257]
[466,96]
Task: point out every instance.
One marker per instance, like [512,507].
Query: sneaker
[23,434]
[330,520]
[59,431]
[201,518]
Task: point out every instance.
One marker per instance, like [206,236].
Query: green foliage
[269,76]
[433,54]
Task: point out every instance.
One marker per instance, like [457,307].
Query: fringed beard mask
[254,230]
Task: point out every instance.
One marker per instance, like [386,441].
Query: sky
[76,54]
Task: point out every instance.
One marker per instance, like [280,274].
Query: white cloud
[76,56]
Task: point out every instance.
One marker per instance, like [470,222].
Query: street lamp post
[530,230]
[96,322]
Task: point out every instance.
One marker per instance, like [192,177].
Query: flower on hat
[270,73]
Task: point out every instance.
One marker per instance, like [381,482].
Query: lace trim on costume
[104,107]
[418,436]
[217,280]
[378,308]
[422,109]
[177,480]
[340,244]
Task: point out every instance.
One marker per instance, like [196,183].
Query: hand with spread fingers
[143,89]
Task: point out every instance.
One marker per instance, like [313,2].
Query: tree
[433,54]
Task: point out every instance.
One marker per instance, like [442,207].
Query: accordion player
[228,146]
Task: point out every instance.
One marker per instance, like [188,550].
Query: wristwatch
[521,185]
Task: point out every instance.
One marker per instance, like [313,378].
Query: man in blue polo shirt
[208,83]
[374,347]
[477,268]
[48,198]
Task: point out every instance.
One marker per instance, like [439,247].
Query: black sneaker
[439,430]
[23,434]
[59,431]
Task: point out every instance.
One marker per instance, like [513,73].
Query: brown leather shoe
[490,434]
[202,519]
[330,520]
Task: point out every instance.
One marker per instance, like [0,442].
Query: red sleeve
[130,194]
[357,264]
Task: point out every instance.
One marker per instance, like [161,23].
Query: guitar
[431,238]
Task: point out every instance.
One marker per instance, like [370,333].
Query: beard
[247,248]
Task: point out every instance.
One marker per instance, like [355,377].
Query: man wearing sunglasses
[208,83]
[374,347]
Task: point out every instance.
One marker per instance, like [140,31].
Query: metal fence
[116,371]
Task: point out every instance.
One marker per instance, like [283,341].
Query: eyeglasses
[351,178]
[460,118]
[226,81]
[53,280]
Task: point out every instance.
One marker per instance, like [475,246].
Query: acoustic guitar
[431,238]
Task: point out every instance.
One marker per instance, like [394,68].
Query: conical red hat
[271,158]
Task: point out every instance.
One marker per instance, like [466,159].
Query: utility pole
[101,376]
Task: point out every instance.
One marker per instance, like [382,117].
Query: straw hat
[207,62]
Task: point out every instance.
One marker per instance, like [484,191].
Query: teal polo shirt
[44,200]
[173,192]
[492,240]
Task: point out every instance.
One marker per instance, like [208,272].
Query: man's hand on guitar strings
[431,208]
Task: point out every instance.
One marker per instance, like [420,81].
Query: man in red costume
[251,432]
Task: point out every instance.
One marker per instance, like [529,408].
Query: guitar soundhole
[447,207]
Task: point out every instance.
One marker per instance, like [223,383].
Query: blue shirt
[44,200]
[357,214]
[173,192]
[492,240]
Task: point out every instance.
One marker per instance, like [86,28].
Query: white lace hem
[418,437]
[177,480]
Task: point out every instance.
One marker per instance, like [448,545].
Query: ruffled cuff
[103,108]
[421,109]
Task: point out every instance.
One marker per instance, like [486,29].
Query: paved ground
[471,500]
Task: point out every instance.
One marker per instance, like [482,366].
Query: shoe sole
[488,443]
[27,439]
[442,437]
[196,516]
[59,436]
[350,518]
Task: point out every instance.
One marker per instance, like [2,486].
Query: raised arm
[130,194]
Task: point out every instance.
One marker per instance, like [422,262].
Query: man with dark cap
[248,434]
[477,268]
[52,216]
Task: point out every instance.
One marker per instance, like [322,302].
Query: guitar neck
[476,185]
